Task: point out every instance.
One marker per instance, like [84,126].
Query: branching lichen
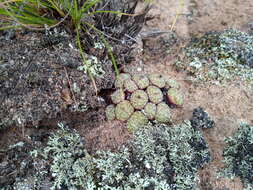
[238,155]
[220,56]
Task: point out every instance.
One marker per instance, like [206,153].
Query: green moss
[175,97]
[142,81]
[155,94]
[110,112]
[136,121]
[119,82]
[130,85]
[139,99]
[163,114]
[157,80]
[124,110]
[118,96]
[150,110]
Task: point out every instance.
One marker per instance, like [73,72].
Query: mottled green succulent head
[157,80]
[175,97]
[139,99]
[137,120]
[124,110]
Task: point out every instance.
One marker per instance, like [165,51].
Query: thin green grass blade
[107,45]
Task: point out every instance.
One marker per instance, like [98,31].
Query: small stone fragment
[110,112]
[130,85]
[124,110]
[142,81]
[155,94]
[139,99]
[119,82]
[175,97]
[163,113]
[118,96]
[150,110]
[137,120]
[157,80]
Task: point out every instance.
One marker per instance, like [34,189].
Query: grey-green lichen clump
[150,110]
[238,155]
[159,157]
[69,164]
[219,56]
[140,98]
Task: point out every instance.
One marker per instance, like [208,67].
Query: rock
[175,97]
[130,85]
[155,94]
[150,110]
[142,81]
[118,96]
[139,99]
[157,80]
[119,82]
[124,110]
[163,113]
[110,112]
[137,120]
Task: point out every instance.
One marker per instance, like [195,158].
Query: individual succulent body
[138,119]
[163,113]
[175,97]
[110,112]
[124,110]
[119,82]
[157,80]
[155,94]
[150,110]
[142,81]
[140,98]
[118,96]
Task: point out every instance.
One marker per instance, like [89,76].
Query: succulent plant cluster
[141,98]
